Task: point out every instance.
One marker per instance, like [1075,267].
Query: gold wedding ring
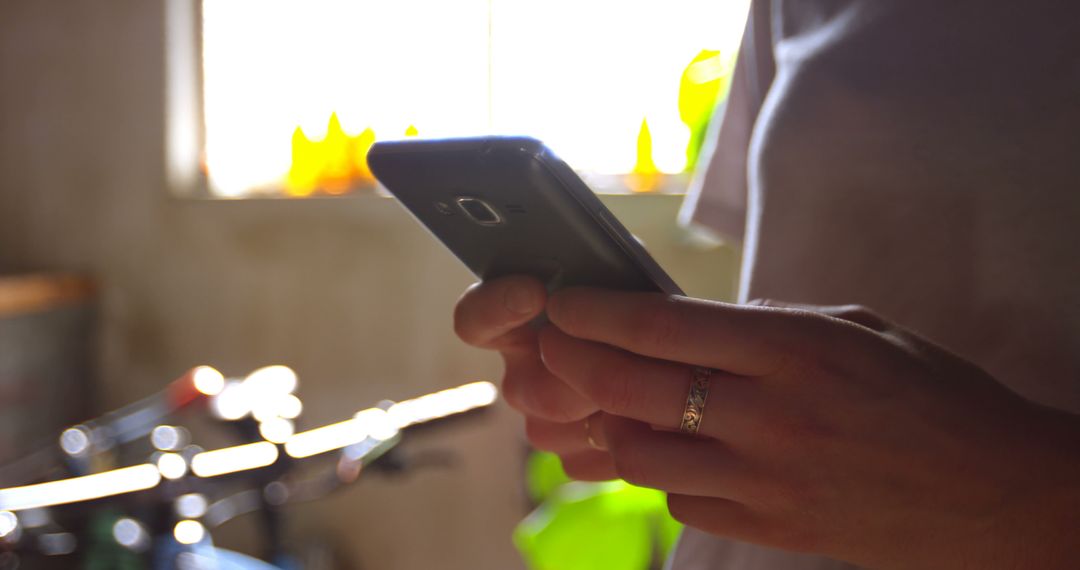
[695,400]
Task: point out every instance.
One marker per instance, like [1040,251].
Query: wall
[349,292]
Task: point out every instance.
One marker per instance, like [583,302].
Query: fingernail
[594,432]
[521,300]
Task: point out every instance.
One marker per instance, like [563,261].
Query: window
[295,91]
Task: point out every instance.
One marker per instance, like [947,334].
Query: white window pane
[272,65]
[581,75]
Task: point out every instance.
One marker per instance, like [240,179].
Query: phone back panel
[551,225]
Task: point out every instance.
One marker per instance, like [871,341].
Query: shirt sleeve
[717,196]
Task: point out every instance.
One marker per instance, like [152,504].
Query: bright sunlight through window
[296,91]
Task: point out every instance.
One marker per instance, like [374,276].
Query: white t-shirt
[921,158]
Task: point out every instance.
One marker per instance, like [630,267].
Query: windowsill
[601,184]
[621,184]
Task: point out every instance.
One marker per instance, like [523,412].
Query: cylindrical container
[46,359]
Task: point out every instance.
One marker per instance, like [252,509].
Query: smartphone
[508,205]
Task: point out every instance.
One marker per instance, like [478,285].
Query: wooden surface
[47,364]
[21,294]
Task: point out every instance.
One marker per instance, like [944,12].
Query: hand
[495,315]
[827,431]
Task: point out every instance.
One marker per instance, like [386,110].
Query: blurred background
[183,183]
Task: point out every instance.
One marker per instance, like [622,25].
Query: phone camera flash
[479,211]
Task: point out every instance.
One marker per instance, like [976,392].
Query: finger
[616,381]
[488,313]
[531,389]
[678,463]
[857,314]
[735,520]
[645,389]
[751,341]
[570,437]
[589,465]
[717,516]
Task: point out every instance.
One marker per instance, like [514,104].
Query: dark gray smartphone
[508,205]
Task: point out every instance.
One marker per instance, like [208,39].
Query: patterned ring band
[695,400]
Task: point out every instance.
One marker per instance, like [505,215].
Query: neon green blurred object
[579,526]
[544,475]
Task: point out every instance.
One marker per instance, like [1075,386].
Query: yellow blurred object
[334,165]
[304,171]
[411,131]
[704,83]
[645,177]
[338,162]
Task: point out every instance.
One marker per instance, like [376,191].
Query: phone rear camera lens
[479,211]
